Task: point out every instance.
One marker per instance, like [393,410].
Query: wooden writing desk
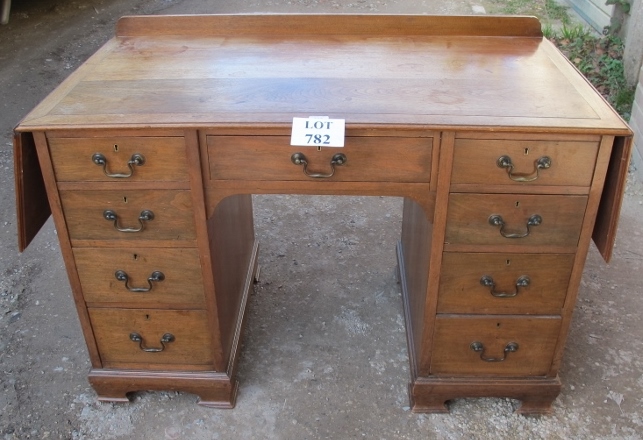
[508,160]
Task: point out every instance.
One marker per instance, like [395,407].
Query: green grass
[515,7]
[547,10]
[600,59]
[556,11]
[575,33]
[548,31]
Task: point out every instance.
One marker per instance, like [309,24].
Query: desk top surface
[447,72]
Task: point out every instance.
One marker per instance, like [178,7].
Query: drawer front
[368,159]
[116,331]
[564,163]
[145,158]
[478,218]
[526,343]
[157,277]
[504,283]
[173,218]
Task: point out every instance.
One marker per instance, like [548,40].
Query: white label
[317,131]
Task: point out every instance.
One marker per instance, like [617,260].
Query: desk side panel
[231,232]
[416,248]
[609,209]
[32,206]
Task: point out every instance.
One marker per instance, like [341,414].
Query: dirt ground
[324,353]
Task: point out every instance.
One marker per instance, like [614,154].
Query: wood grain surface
[369,159]
[430,103]
[173,217]
[441,71]
[462,292]
[572,162]
[536,338]
[164,158]
[189,350]
[182,286]
[468,219]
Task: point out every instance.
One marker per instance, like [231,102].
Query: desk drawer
[504,283]
[152,159]
[532,338]
[123,335]
[544,220]
[172,217]
[562,163]
[156,277]
[368,159]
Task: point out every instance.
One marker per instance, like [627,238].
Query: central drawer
[157,339]
[368,159]
[156,277]
[98,215]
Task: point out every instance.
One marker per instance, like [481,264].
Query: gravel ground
[325,352]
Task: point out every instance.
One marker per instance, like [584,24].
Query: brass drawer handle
[476,346]
[166,338]
[144,216]
[496,220]
[156,276]
[300,159]
[487,281]
[137,159]
[541,163]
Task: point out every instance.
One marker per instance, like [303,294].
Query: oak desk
[508,161]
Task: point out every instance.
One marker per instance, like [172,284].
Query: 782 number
[318,139]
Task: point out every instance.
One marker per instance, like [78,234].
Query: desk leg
[430,394]
[233,251]
[215,390]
